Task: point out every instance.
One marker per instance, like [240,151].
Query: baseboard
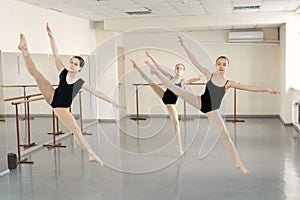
[4,172]
[297,128]
[284,123]
[107,120]
[202,116]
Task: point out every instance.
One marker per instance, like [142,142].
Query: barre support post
[24,160]
[234,110]
[137,104]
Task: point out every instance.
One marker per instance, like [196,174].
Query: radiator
[296,113]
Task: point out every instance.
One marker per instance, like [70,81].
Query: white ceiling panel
[99,10]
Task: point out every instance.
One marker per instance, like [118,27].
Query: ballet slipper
[242,168]
[23,46]
[180,149]
[94,158]
[181,152]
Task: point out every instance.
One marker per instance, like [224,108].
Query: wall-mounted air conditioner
[246,36]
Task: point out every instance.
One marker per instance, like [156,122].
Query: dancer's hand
[148,53]
[147,62]
[180,40]
[134,65]
[271,91]
[49,30]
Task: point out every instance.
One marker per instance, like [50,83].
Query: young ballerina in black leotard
[61,98]
[209,103]
[168,97]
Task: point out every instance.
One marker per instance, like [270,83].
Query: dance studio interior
[126,142]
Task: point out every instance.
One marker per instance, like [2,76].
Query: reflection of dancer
[168,97]
[61,98]
[209,102]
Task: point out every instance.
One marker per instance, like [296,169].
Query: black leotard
[212,97]
[169,96]
[65,93]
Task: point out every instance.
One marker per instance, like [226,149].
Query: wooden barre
[22,97]
[14,86]
[27,101]
[137,117]
[145,84]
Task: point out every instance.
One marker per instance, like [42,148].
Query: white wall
[3,148]
[74,36]
[291,84]
[106,72]
[249,64]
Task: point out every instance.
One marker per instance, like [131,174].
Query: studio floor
[142,162]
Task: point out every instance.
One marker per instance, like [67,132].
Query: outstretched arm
[202,69]
[60,66]
[157,65]
[192,80]
[101,95]
[251,88]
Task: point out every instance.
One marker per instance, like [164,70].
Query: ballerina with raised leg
[210,101]
[168,97]
[60,99]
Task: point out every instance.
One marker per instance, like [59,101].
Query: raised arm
[191,80]
[58,63]
[100,95]
[251,88]
[202,69]
[157,65]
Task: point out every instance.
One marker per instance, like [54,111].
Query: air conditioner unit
[249,36]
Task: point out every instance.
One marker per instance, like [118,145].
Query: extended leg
[43,84]
[174,117]
[156,88]
[69,121]
[189,97]
[216,119]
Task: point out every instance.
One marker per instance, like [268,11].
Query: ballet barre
[27,116]
[137,117]
[24,92]
[16,103]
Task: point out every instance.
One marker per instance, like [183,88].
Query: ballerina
[60,99]
[168,97]
[210,101]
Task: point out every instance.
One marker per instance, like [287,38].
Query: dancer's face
[179,69]
[75,65]
[222,65]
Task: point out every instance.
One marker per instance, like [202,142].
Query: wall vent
[296,113]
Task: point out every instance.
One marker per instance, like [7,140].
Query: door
[121,78]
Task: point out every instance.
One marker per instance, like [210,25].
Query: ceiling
[100,10]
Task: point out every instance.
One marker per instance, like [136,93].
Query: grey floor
[142,162]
